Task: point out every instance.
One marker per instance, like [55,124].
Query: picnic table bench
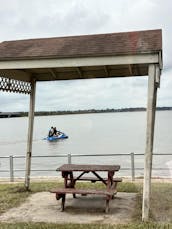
[70,180]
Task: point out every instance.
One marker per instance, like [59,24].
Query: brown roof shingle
[83,46]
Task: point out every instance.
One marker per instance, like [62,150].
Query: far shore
[89,111]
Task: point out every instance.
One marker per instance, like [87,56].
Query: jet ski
[60,135]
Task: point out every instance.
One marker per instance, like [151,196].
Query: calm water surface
[104,133]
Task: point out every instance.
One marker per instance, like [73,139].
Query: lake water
[98,133]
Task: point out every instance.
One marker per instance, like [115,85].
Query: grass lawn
[12,195]
[84,226]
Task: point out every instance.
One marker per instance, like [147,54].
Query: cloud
[37,18]
[51,18]
[164,93]
[13,102]
[94,93]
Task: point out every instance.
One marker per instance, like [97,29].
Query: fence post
[132,167]
[11,169]
[69,158]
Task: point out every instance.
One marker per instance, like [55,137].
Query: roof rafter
[53,73]
[106,70]
[79,71]
[16,74]
[130,69]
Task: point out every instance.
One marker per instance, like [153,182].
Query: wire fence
[10,169]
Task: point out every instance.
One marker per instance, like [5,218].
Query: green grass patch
[12,195]
[122,186]
[84,226]
[9,197]
[161,202]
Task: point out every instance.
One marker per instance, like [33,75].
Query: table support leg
[107,205]
[63,202]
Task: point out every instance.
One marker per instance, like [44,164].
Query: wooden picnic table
[70,180]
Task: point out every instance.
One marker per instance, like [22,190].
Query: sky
[23,19]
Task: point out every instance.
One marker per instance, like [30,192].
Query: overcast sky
[23,19]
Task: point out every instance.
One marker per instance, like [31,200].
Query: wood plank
[88,168]
[82,61]
[94,179]
[151,107]
[82,191]
[30,135]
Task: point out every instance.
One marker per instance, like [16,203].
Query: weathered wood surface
[61,194]
[94,179]
[30,135]
[82,191]
[88,168]
[151,108]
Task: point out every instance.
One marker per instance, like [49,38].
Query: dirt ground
[43,207]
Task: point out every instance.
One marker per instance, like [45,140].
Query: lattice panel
[12,85]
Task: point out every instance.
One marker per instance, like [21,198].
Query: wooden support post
[30,135]
[151,108]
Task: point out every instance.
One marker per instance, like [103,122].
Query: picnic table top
[88,167]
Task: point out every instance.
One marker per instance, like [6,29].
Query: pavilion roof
[125,43]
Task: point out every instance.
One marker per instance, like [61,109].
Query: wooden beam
[30,135]
[151,108]
[160,60]
[16,75]
[81,61]
[158,74]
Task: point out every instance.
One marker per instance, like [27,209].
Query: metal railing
[68,159]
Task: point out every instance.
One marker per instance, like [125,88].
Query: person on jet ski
[51,132]
[56,132]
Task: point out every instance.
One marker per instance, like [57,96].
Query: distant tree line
[45,113]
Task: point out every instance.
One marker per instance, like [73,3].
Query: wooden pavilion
[128,54]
